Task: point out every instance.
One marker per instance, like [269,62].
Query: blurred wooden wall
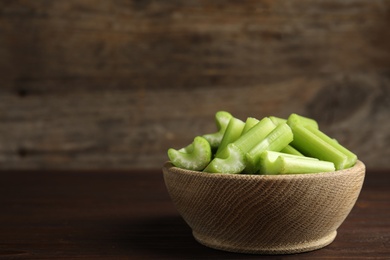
[113,84]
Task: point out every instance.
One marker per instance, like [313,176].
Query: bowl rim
[359,167]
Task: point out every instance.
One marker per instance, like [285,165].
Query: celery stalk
[288,149]
[234,162]
[287,165]
[276,140]
[243,144]
[310,144]
[232,133]
[351,157]
[249,123]
[195,156]
[254,135]
[277,120]
[291,150]
[222,119]
[268,158]
[301,120]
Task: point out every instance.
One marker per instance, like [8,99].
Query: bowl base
[282,249]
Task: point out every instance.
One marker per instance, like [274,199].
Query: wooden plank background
[88,84]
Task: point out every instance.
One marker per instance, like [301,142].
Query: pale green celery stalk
[278,120]
[249,123]
[195,156]
[301,120]
[233,163]
[291,150]
[268,158]
[279,138]
[289,165]
[255,135]
[223,161]
[351,157]
[310,144]
[222,119]
[288,149]
[232,133]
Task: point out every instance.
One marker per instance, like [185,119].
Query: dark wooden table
[129,215]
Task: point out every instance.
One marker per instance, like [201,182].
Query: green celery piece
[234,162]
[249,123]
[310,144]
[289,165]
[301,120]
[278,120]
[272,155]
[291,150]
[243,144]
[288,149]
[276,140]
[195,156]
[232,133]
[222,119]
[351,157]
[252,137]
[255,135]
[268,158]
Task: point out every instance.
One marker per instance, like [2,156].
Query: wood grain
[129,215]
[113,84]
[264,214]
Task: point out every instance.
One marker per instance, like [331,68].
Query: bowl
[264,214]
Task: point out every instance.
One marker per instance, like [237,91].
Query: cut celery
[291,150]
[272,145]
[301,120]
[272,155]
[249,123]
[195,156]
[243,144]
[282,164]
[310,144]
[277,120]
[232,133]
[268,158]
[351,157]
[254,135]
[279,138]
[222,119]
[234,162]
[288,149]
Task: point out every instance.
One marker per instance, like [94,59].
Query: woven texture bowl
[264,214]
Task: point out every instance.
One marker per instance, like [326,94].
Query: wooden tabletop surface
[129,215]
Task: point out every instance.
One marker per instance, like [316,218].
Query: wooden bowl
[264,214]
